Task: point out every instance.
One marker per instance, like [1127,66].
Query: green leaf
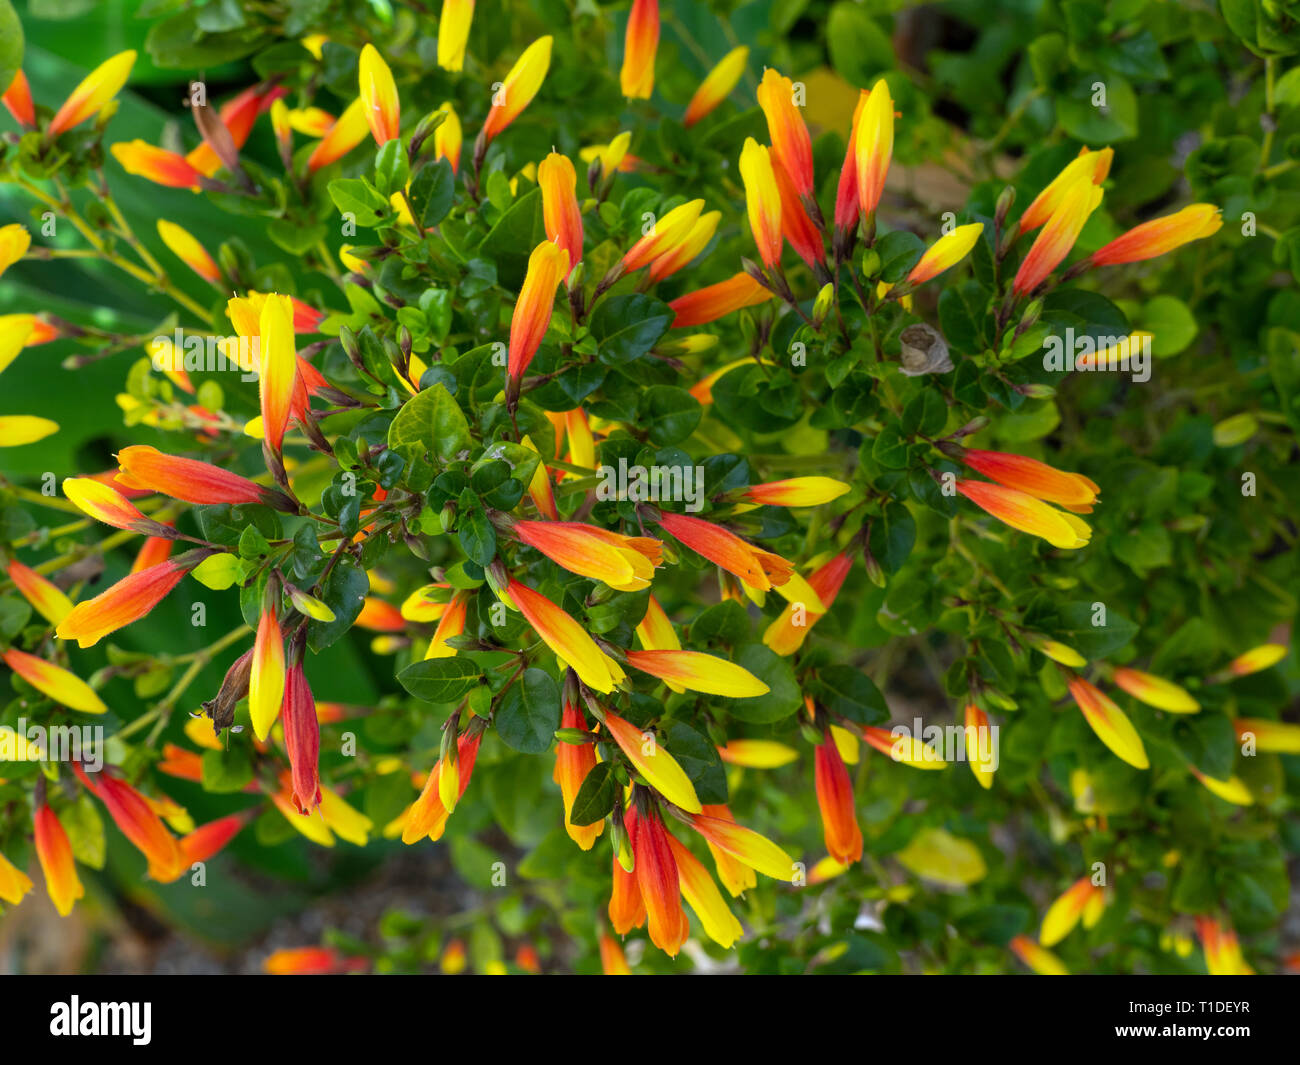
[345,590]
[440,680]
[892,537]
[1172,324]
[890,449]
[11,43]
[432,193]
[430,421]
[846,691]
[669,414]
[626,327]
[358,197]
[596,796]
[784,698]
[527,716]
[860,50]
[228,770]
[391,168]
[1093,628]
[699,758]
[477,537]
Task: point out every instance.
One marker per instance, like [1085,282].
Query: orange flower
[1092,166]
[188,250]
[796,492]
[349,131]
[791,144]
[1160,235]
[1024,512]
[378,616]
[716,86]
[945,253]
[657,880]
[266,681]
[1278,737]
[128,600]
[238,115]
[873,145]
[14,883]
[1072,490]
[626,563]
[567,639]
[904,749]
[180,763]
[278,368]
[762,200]
[94,93]
[518,88]
[660,769]
[637,78]
[57,683]
[47,598]
[612,961]
[154,551]
[784,636]
[847,207]
[736,876]
[560,211]
[133,814]
[979,745]
[447,138]
[703,896]
[55,855]
[379,96]
[1257,659]
[453,33]
[452,623]
[302,739]
[1064,913]
[745,845]
[684,253]
[698,672]
[427,815]
[714,301]
[796,226]
[311,961]
[208,840]
[18,99]
[548,266]
[665,234]
[105,503]
[155,164]
[757,568]
[1058,235]
[835,798]
[1222,951]
[1156,691]
[626,907]
[1109,722]
[573,761]
[1038,958]
[189,480]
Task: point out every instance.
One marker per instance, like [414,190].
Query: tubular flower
[703,896]
[612,960]
[349,823]
[745,845]
[1222,951]
[873,146]
[378,616]
[452,623]
[665,234]
[311,961]
[835,798]
[519,87]
[685,252]
[134,815]
[14,242]
[548,266]
[21,331]
[655,631]
[785,126]
[128,600]
[657,881]
[757,568]
[188,250]
[55,855]
[1058,235]
[1072,490]
[1109,722]
[266,681]
[623,562]
[301,739]
[539,487]
[1275,736]
[14,883]
[1090,166]
[712,302]
[238,115]
[762,200]
[567,639]
[17,430]
[846,192]
[736,876]
[946,252]
[560,210]
[1038,958]
[142,159]
[614,156]
[349,131]
[447,138]
[626,908]
[757,754]
[278,371]
[1022,511]
[1156,691]
[716,86]
[698,672]
[379,96]
[979,745]
[94,92]
[1256,659]
[1160,235]
[143,466]
[427,815]
[660,769]
[57,683]
[453,33]
[796,226]
[640,43]
[46,597]
[208,840]
[1065,912]
[18,99]
[787,633]
[1232,790]
[573,761]
[909,750]
[796,492]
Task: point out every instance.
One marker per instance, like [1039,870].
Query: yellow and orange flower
[278,368]
[903,748]
[1088,166]
[657,880]
[1265,656]
[796,492]
[1072,490]
[93,94]
[685,252]
[626,563]
[447,138]
[1223,955]
[1038,958]
[519,87]
[560,211]
[804,236]
[757,754]
[46,597]
[712,302]
[1023,512]
[703,896]
[128,600]
[139,822]
[14,883]
[54,852]
[453,33]
[569,640]
[665,234]
[301,739]
[18,99]
[1160,235]
[1083,900]
[1058,235]
[698,672]
[145,467]
[266,681]
[53,681]
[379,96]
[612,960]
[14,242]
[1156,691]
[142,159]
[660,769]
[873,146]
[979,746]
[716,86]
[640,43]
[1278,737]
[745,845]
[573,761]
[945,253]
[208,840]
[791,145]
[181,243]
[1109,722]
[548,266]
[311,961]
[762,200]
[835,799]
[428,815]
[787,633]
[758,569]
[349,131]
[451,623]
[238,115]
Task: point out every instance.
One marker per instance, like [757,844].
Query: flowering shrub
[582,465]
